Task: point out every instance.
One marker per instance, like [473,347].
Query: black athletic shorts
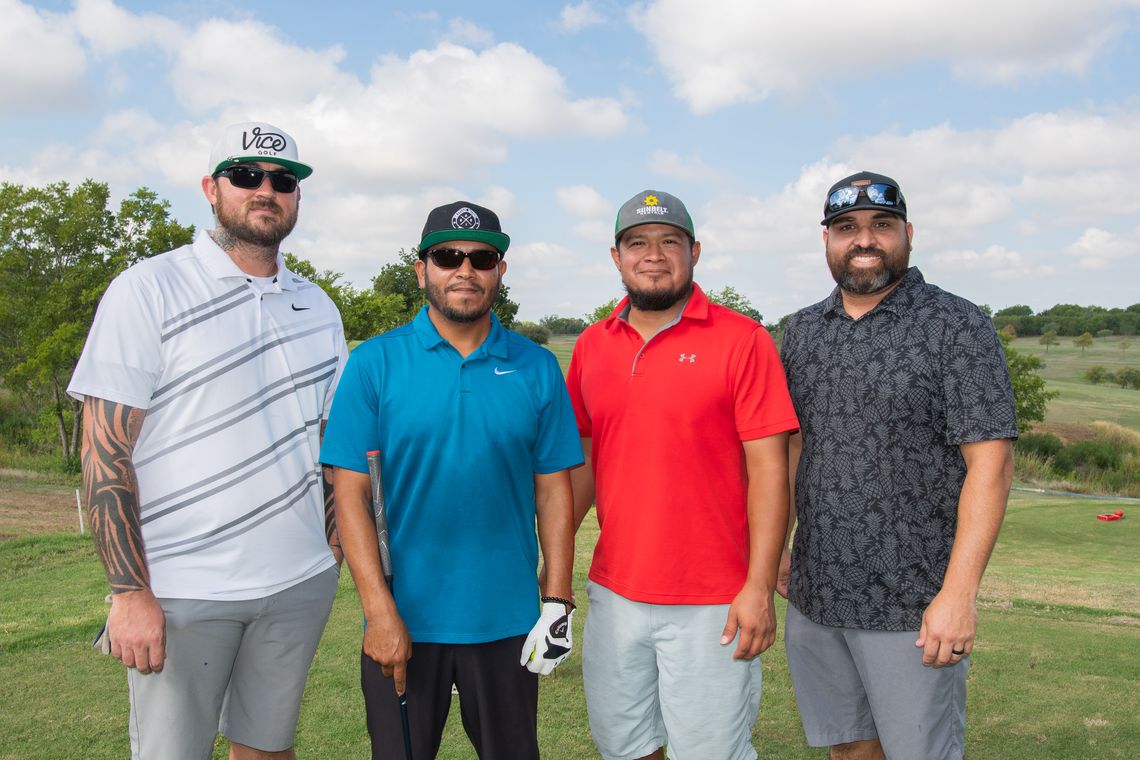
[498,700]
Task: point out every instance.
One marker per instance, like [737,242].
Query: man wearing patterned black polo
[904,468]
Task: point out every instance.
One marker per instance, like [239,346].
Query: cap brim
[499,240]
[865,207]
[301,170]
[686,230]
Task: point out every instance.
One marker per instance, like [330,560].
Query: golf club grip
[380,515]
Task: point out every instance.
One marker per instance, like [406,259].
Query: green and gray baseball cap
[653,207]
[253,141]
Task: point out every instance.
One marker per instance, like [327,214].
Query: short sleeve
[122,357]
[351,430]
[975,383]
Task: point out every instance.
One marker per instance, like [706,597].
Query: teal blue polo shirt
[460,442]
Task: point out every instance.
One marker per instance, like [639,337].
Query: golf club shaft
[381,517]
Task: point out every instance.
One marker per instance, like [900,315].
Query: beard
[437,298]
[234,222]
[659,300]
[864,282]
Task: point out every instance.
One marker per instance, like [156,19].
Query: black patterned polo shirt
[884,403]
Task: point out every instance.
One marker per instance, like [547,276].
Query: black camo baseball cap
[653,207]
[463,220]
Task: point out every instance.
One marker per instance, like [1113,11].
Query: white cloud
[464,32]
[690,168]
[42,63]
[574,18]
[269,72]
[109,29]
[720,52]
[582,201]
[1098,249]
[995,261]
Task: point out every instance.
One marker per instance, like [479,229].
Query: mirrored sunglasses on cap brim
[877,194]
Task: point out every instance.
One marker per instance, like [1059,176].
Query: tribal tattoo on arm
[110,431]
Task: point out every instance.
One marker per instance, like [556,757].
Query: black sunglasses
[251,177]
[452,258]
[878,194]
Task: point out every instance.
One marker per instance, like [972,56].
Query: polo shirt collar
[218,263]
[898,300]
[496,343]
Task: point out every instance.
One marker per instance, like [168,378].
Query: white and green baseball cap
[253,141]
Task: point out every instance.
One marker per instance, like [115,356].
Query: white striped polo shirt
[235,380]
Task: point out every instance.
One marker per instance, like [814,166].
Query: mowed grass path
[1080,402]
[1055,672]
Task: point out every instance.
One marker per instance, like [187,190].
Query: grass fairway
[1080,401]
[1054,675]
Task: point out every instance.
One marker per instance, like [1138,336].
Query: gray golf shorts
[238,667]
[853,684]
[657,674]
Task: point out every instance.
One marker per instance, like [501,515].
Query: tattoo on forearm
[110,431]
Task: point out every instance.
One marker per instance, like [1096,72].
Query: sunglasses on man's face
[251,177]
[452,258]
[878,194]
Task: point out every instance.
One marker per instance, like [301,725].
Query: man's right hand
[137,627]
[387,641]
[785,573]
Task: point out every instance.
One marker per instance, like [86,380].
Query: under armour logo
[690,358]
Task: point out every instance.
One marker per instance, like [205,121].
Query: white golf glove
[550,640]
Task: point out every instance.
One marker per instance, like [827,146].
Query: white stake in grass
[79,510]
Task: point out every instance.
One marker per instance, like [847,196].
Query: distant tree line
[1069,320]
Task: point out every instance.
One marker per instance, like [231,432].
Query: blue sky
[1013,128]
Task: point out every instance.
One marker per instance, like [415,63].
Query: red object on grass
[1108,517]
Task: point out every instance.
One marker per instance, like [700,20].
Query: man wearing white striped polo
[206,378]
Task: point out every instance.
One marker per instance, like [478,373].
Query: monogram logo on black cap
[263,140]
[465,219]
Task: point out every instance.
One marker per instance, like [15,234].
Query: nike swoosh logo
[301,308]
[504,371]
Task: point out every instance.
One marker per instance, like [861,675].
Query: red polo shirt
[666,418]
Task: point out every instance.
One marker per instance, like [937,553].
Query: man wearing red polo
[684,415]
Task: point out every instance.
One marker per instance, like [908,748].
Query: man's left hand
[550,641]
[753,615]
[947,632]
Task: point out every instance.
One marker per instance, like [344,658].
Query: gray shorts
[853,684]
[657,674]
[236,667]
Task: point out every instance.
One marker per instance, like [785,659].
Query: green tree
[1030,395]
[60,246]
[1097,374]
[601,312]
[1020,310]
[733,299]
[1105,333]
[1124,344]
[535,332]
[365,313]
[1049,338]
[1083,341]
[563,325]
[1128,377]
